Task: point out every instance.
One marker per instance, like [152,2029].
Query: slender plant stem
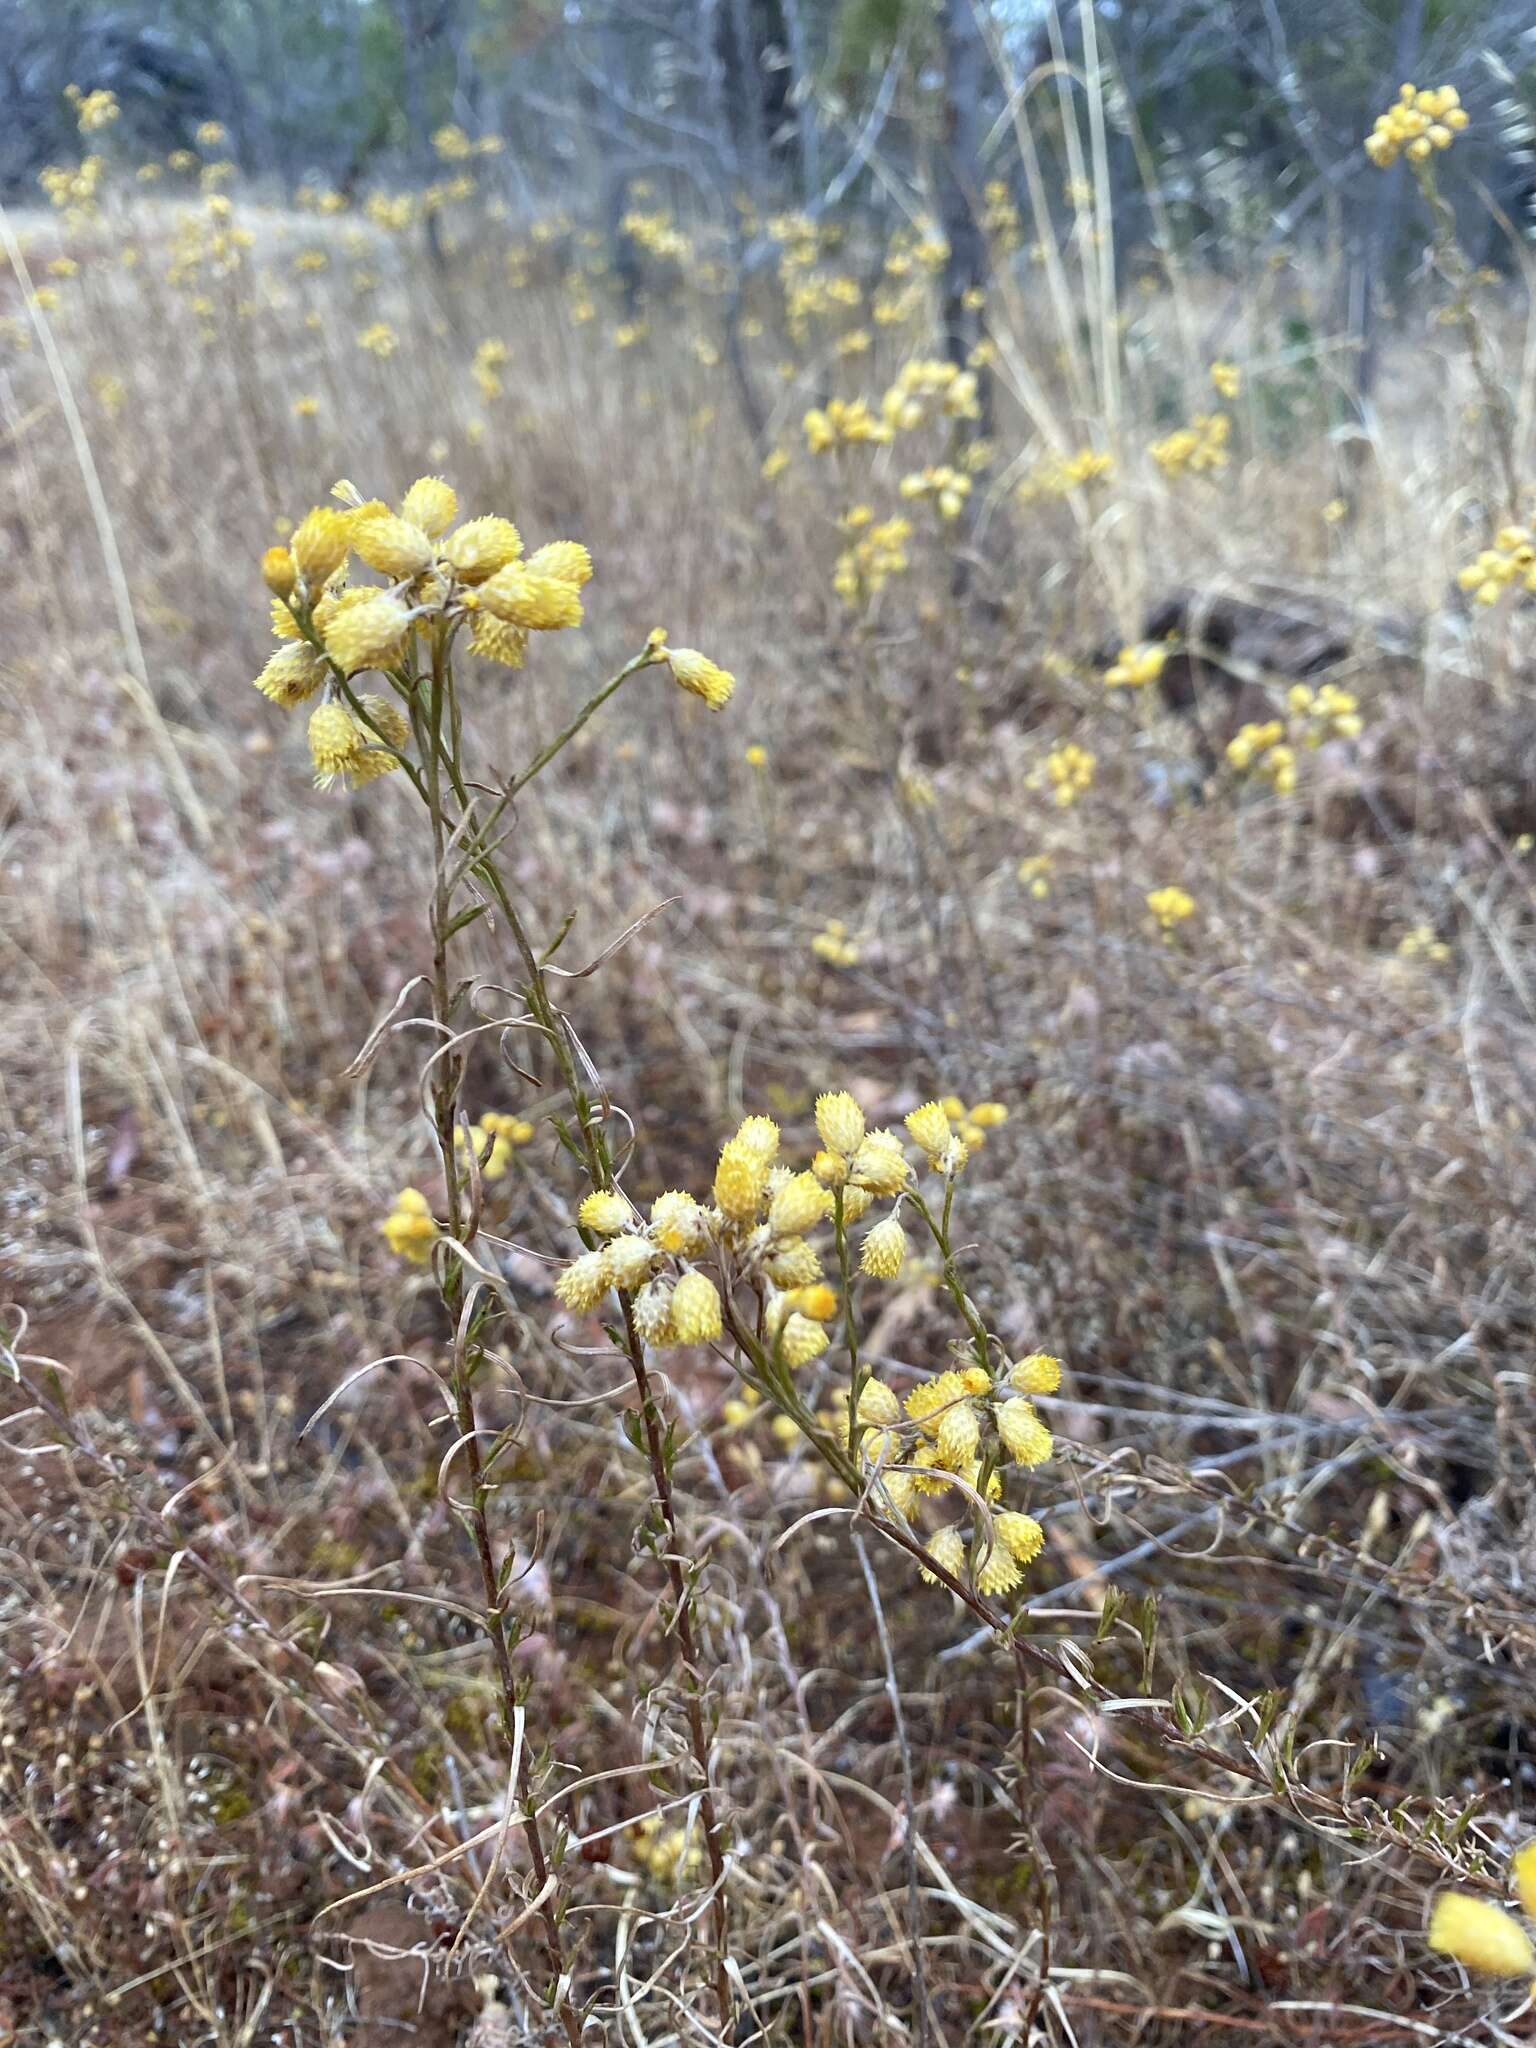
[440,752]
[447,1084]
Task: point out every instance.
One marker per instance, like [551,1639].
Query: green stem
[954,1286]
[542,759]
[447,1085]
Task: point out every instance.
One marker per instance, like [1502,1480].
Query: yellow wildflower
[1170,906]
[700,676]
[409,1228]
[696,1316]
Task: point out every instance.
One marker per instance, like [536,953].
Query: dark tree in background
[1249,112]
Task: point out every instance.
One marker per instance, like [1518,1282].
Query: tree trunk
[957,176]
[1382,228]
[747,95]
[803,99]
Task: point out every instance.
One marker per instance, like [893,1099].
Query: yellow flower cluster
[670,1855]
[1226,380]
[73,189]
[1058,474]
[392,211]
[948,488]
[1000,216]
[490,358]
[1327,713]
[1268,749]
[93,110]
[1135,667]
[925,384]
[922,246]
[756,1218]
[743,1258]
[1261,750]
[493,1142]
[863,570]
[1195,449]
[756,1224]
[957,1430]
[833,944]
[1511,559]
[1422,944]
[842,424]
[1170,906]
[379,339]
[440,574]
[1418,123]
[409,1228]
[949,1132]
[453,145]
[1035,874]
[1068,773]
[1486,1937]
[659,235]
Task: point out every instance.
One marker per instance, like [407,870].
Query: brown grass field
[1265,1183]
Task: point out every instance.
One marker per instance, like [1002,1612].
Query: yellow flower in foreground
[566,560]
[695,1309]
[605,1212]
[929,1126]
[539,603]
[884,1249]
[430,504]
[1020,1534]
[292,674]
[1481,1935]
[839,1123]
[345,750]
[366,630]
[397,548]
[947,1548]
[319,546]
[1040,1373]
[478,548]
[700,676]
[1024,1435]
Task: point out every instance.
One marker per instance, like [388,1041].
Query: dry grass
[1267,1188]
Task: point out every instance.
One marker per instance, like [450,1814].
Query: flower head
[1481,1935]
[480,547]
[884,1250]
[1422,120]
[537,603]
[1170,906]
[696,1316]
[367,629]
[700,676]
[319,547]
[409,1228]
[839,1123]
